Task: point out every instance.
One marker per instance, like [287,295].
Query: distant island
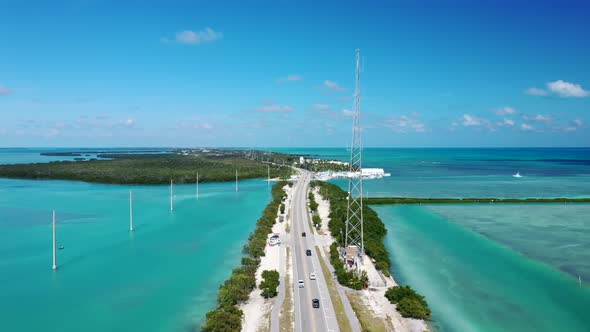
[88,153]
[181,166]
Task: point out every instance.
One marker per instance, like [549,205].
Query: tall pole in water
[171,197]
[197,185]
[236,180]
[131,210]
[54,244]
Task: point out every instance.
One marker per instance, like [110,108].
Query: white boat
[517,175]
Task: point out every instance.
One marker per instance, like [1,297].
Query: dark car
[308,252]
[315,303]
[303,234]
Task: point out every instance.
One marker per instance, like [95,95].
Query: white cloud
[321,107]
[538,117]
[4,91]
[526,127]
[470,120]
[347,112]
[404,124]
[506,122]
[333,86]
[506,110]
[290,78]
[574,125]
[205,126]
[567,89]
[130,122]
[195,37]
[536,92]
[274,108]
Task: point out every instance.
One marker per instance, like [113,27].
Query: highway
[306,317]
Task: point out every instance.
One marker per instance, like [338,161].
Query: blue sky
[281,73]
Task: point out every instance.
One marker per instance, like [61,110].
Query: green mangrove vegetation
[235,290]
[151,168]
[409,303]
[321,165]
[414,200]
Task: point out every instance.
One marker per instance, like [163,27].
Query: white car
[312,276]
[301,285]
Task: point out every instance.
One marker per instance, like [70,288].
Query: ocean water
[162,277]
[483,172]
[473,283]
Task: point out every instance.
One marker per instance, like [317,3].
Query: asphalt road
[306,317]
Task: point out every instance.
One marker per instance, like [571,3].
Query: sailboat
[517,175]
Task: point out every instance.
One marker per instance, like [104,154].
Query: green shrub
[409,302]
[412,308]
[270,283]
[316,220]
[282,208]
[313,206]
[223,318]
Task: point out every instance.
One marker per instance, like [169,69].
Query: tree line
[147,169]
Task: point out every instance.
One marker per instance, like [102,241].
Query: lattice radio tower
[354,215]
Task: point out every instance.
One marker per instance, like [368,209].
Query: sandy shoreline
[257,309]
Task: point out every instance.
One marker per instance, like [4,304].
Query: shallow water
[473,283]
[555,234]
[162,277]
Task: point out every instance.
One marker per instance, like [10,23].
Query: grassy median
[286,313]
[343,322]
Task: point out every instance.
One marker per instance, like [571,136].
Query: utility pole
[131,210]
[171,197]
[54,244]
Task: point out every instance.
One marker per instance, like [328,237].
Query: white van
[301,285]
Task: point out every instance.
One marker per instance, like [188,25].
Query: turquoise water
[547,172]
[163,277]
[473,283]
[555,234]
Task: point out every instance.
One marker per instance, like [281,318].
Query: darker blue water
[483,172]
